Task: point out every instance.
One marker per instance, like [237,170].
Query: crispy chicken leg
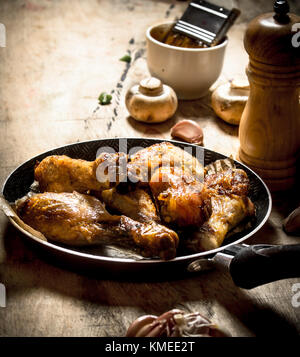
[230,206]
[227,213]
[182,200]
[136,204]
[60,173]
[77,219]
[182,203]
[174,177]
[145,162]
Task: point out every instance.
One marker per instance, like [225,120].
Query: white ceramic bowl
[189,71]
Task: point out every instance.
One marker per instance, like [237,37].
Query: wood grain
[59,57]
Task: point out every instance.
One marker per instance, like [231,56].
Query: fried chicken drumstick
[60,173]
[230,205]
[76,219]
[145,162]
[168,186]
[182,200]
[174,176]
[136,204]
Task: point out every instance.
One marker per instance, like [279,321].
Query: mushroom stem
[151,86]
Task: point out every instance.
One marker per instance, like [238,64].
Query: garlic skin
[173,323]
[228,100]
[151,101]
[141,326]
[188,131]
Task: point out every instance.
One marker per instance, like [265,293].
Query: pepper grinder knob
[281,8]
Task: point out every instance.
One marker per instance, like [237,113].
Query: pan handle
[260,264]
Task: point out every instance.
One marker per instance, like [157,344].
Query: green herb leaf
[104,98]
[126,58]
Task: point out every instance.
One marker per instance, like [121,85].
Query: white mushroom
[229,100]
[151,101]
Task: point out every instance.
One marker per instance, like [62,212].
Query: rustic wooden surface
[59,57]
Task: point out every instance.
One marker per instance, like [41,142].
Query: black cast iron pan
[249,266]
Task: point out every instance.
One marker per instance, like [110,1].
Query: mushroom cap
[151,101]
[229,100]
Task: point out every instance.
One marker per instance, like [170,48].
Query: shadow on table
[152,130]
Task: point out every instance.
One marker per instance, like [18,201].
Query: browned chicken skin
[229,205]
[76,219]
[231,181]
[182,200]
[60,173]
[136,204]
[174,177]
[145,162]
[227,213]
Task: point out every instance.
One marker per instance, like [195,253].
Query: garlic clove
[141,326]
[174,323]
[189,131]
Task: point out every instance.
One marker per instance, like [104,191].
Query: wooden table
[59,57]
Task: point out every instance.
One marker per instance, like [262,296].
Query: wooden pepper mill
[270,125]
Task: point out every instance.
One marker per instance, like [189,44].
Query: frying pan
[249,266]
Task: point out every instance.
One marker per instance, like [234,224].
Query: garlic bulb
[173,323]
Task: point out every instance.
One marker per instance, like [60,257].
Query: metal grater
[206,22]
